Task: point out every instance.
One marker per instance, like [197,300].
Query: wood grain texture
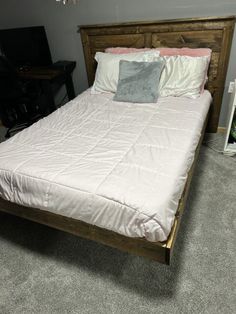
[212,32]
[182,203]
[138,246]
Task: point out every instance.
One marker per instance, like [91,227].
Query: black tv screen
[26,46]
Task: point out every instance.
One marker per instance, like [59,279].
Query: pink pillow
[190,52]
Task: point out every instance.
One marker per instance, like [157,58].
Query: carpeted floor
[47,271]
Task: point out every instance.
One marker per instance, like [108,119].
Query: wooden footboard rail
[158,251]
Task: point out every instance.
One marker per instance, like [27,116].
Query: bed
[93,148]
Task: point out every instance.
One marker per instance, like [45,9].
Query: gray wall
[61,23]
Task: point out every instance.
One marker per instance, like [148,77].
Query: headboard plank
[214,32]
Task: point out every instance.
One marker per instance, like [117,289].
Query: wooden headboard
[214,32]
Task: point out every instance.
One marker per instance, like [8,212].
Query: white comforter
[119,166]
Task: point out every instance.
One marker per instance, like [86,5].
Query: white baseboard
[221,129]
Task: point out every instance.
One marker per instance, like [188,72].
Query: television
[26,46]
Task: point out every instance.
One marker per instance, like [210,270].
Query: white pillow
[183,76]
[107,73]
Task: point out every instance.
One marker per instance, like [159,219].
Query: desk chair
[19,105]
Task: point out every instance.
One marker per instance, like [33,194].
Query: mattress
[119,166]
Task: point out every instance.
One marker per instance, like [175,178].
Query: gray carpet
[47,271]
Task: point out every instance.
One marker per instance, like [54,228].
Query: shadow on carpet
[47,271]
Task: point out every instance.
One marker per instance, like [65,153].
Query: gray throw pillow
[138,81]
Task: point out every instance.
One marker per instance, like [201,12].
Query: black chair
[19,100]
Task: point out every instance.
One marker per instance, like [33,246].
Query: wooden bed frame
[215,33]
